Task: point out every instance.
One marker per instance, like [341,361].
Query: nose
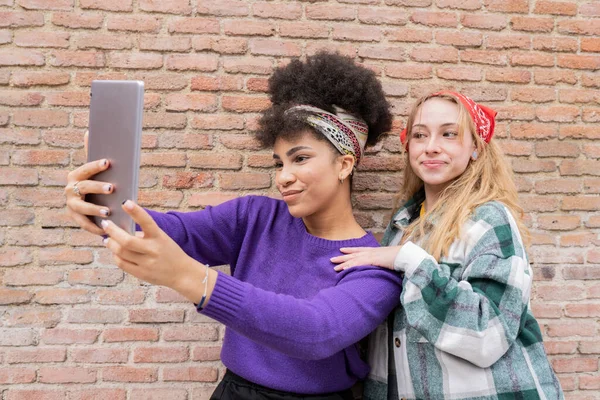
[285,176]
[432,144]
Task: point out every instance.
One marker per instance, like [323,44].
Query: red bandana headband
[482,116]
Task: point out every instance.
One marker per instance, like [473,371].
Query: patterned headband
[346,132]
[482,116]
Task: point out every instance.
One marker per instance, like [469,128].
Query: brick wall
[74,326]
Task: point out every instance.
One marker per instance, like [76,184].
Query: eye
[450,134]
[418,135]
[278,165]
[300,159]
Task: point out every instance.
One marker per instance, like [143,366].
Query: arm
[211,235]
[313,328]
[478,317]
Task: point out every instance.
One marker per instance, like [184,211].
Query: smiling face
[437,151]
[308,173]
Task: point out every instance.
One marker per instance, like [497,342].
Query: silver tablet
[115,131]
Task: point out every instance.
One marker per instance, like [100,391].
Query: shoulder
[493,213]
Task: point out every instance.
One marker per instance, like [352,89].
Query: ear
[346,165]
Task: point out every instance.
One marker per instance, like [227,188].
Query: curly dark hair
[323,80]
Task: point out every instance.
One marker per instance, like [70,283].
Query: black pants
[234,387]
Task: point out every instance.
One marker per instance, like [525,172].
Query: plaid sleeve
[471,304]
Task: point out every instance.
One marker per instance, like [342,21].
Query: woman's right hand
[79,209]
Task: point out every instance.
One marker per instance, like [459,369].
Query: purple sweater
[292,321]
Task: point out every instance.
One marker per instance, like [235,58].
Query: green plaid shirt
[464,329]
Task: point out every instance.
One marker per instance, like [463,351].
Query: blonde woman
[464,329]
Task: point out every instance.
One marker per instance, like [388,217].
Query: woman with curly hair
[463,328]
[291,320]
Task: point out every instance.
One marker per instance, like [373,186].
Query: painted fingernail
[104,212]
[104,241]
[128,204]
[107,188]
[104,223]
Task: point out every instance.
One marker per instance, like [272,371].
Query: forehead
[301,139]
[437,111]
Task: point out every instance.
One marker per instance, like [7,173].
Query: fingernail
[128,204]
[103,163]
[104,223]
[104,241]
[107,188]
[104,212]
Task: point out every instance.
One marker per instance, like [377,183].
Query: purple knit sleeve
[210,236]
[313,328]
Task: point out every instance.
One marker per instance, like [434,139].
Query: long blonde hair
[486,179]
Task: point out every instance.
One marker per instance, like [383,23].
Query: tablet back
[115,130]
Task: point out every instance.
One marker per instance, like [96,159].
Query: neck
[335,223]
[432,194]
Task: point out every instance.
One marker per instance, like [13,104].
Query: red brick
[560,347]
[592,347]
[459,4]
[14,296]
[434,19]
[408,71]
[167,6]
[163,159]
[130,334]
[552,77]
[162,81]
[244,103]
[168,199]
[260,160]
[76,20]
[42,39]
[164,120]
[159,393]
[382,16]
[104,41]
[409,35]
[248,28]
[206,353]
[17,337]
[12,256]
[590,44]
[29,276]
[556,149]
[62,296]
[532,59]
[244,181]
[98,394]
[545,310]
[155,316]
[590,9]
[330,12]
[485,22]
[460,73]
[580,167]
[555,44]
[99,355]
[559,222]
[187,180]
[210,199]
[591,185]
[28,79]
[160,354]
[504,41]
[484,57]
[532,24]
[516,148]
[557,186]
[186,141]
[579,132]
[555,8]
[69,336]
[434,54]
[17,57]
[194,25]
[191,101]
[393,53]
[95,316]
[120,297]
[32,394]
[110,5]
[68,99]
[356,33]
[61,256]
[575,365]
[129,374]
[12,375]
[507,6]
[35,317]
[10,19]
[255,65]
[96,277]
[135,60]
[20,136]
[579,27]
[217,83]
[557,113]
[533,95]
[36,355]
[507,75]
[66,58]
[158,43]
[579,96]
[591,151]
[576,61]
[277,11]
[190,374]
[581,203]
[459,39]
[18,176]
[196,332]
[409,3]
[192,62]
[582,310]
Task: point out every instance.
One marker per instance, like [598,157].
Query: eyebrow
[291,151]
[443,125]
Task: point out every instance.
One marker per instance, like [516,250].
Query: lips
[433,163]
[289,194]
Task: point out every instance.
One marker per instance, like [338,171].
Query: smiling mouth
[290,193]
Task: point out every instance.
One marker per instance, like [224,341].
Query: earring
[474,155]
[341,179]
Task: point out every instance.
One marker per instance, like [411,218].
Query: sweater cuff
[409,258]
[226,299]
